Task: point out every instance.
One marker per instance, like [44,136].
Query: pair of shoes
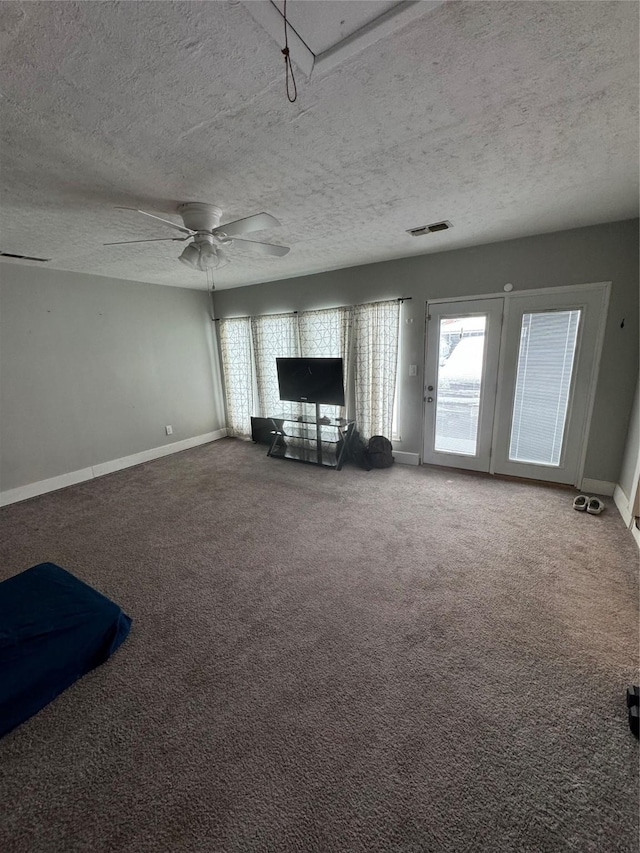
[592,505]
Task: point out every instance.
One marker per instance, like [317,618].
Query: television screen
[311,380]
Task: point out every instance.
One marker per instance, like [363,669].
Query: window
[395,417]
[250,347]
[274,336]
[376,361]
[237,366]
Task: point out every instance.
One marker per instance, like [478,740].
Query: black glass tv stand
[317,440]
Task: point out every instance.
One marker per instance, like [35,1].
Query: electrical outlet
[169,429]
[413,370]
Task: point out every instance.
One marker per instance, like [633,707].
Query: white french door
[509,381]
[463,346]
[546,380]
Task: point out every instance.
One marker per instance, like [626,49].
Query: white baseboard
[156,453]
[597,487]
[406,458]
[32,490]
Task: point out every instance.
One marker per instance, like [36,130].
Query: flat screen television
[311,380]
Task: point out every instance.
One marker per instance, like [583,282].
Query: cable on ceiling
[288,67]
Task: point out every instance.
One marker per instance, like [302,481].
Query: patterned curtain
[274,336]
[250,347]
[327,334]
[376,327]
[235,344]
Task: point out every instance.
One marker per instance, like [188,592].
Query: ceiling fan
[210,240]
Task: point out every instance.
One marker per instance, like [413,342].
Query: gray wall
[93,368]
[627,480]
[602,253]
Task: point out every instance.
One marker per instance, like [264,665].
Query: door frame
[603,286]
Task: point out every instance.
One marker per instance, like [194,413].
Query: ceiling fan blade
[153,240]
[265,248]
[252,223]
[160,219]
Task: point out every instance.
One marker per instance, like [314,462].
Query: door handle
[429,399]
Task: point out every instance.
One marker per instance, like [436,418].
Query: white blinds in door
[545,368]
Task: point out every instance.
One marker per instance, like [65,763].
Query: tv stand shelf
[319,441]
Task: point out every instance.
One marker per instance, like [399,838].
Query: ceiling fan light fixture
[223,258]
[190,256]
[208,256]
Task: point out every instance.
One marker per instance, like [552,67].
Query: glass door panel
[461,350]
[546,359]
[463,343]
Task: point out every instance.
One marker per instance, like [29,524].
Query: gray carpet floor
[400,660]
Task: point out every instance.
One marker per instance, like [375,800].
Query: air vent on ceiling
[430,229]
[23,257]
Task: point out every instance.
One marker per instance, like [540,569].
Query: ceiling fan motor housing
[203,219]
[198,216]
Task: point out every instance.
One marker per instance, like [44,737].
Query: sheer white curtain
[250,347]
[376,331]
[237,366]
[327,334]
[274,336]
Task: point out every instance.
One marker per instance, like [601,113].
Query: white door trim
[514,294]
[595,372]
[501,360]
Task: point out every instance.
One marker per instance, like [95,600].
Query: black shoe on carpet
[633,719]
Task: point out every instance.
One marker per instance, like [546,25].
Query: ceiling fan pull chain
[288,67]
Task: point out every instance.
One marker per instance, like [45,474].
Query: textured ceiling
[506,118]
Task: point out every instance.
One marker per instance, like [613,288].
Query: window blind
[545,369]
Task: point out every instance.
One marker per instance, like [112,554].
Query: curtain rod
[248,316]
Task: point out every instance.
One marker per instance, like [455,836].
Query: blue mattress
[53,629]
